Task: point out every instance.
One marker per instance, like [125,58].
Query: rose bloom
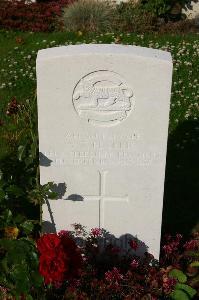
[191,245]
[113,275]
[133,244]
[96,232]
[48,242]
[53,267]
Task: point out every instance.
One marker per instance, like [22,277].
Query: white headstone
[103,113]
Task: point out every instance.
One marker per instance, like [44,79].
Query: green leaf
[192,253]
[52,195]
[2,194]
[179,275]
[21,150]
[19,219]
[37,279]
[194,264]
[19,276]
[186,288]
[6,217]
[27,227]
[179,295]
[194,281]
[33,259]
[15,190]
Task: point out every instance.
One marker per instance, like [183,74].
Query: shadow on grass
[181,197]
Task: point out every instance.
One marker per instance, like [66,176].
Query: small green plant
[182,290]
[184,266]
[89,15]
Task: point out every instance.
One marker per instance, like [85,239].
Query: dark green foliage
[157,7]
[164,8]
[19,266]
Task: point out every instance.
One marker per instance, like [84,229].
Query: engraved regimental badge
[102,97]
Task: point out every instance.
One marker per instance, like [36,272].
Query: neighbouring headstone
[103,113]
[191,10]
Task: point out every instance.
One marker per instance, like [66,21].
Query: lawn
[18,53]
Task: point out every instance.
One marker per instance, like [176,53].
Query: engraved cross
[102,198]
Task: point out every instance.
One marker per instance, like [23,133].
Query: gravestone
[103,113]
[191,10]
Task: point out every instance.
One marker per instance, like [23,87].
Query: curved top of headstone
[115,49]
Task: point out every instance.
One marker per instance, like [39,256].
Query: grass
[18,53]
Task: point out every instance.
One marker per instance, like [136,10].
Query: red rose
[133,244]
[53,268]
[48,242]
